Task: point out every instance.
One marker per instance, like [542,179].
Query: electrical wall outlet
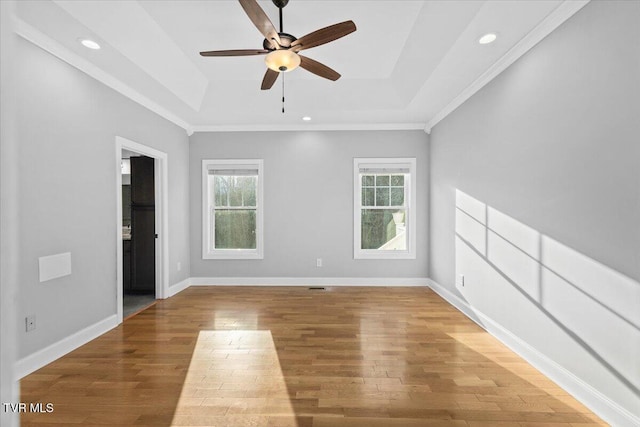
[179,266]
[461,280]
[30,322]
[319,262]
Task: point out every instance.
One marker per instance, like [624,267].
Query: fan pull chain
[282,93]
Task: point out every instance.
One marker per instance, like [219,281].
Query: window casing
[232,214]
[384,208]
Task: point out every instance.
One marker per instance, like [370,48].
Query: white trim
[309,281]
[10,220]
[43,41]
[410,206]
[308,127]
[600,404]
[455,301]
[39,39]
[43,357]
[563,12]
[161,174]
[206,232]
[178,287]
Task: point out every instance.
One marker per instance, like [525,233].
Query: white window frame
[208,251]
[410,201]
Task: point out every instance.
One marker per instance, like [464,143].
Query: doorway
[138,232]
[141,227]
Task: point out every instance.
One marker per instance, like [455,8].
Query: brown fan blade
[237,52]
[269,79]
[318,69]
[324,35]
[260,20]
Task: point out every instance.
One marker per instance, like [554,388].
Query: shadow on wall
[597,307]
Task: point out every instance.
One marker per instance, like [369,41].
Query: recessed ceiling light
[487,38]
[90,44]
[306,118]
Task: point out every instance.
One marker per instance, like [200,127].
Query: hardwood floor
[287,356]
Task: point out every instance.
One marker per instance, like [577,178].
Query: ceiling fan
[281,49]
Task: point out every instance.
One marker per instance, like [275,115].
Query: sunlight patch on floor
[502,363]
[229,374]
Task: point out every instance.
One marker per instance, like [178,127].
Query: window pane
[382,196]
[235,229]
[221,189]
[380,231]
[249,185]
[382,180]
[241,190]
[397,196]
[368,180]
[235,192]
[397,180]
[367,196]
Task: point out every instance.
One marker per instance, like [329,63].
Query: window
[232,209]
[384,213]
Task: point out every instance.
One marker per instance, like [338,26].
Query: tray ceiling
[408,64]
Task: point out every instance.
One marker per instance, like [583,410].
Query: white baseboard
[590,397]
[43,357]
[56,350]
[600,404]
[308,281]
[178,287]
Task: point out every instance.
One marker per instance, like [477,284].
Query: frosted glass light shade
[282,60]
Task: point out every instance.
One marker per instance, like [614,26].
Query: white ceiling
[408,64]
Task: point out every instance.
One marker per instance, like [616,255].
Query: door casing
[161,218]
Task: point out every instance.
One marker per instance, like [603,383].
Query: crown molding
[563,12]
[34,36]
[309,127]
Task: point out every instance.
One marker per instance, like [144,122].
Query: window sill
[384,255]
[233,255]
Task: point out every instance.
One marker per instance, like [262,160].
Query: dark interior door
[143,254]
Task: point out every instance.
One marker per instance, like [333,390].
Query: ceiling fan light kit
[282,60]
[282,49]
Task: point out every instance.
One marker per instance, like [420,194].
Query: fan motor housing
[285,38]
[280,3]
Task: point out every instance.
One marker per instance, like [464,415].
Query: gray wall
[67,124]
[546,228]
[309,201]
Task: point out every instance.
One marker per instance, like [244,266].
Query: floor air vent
[316,288]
